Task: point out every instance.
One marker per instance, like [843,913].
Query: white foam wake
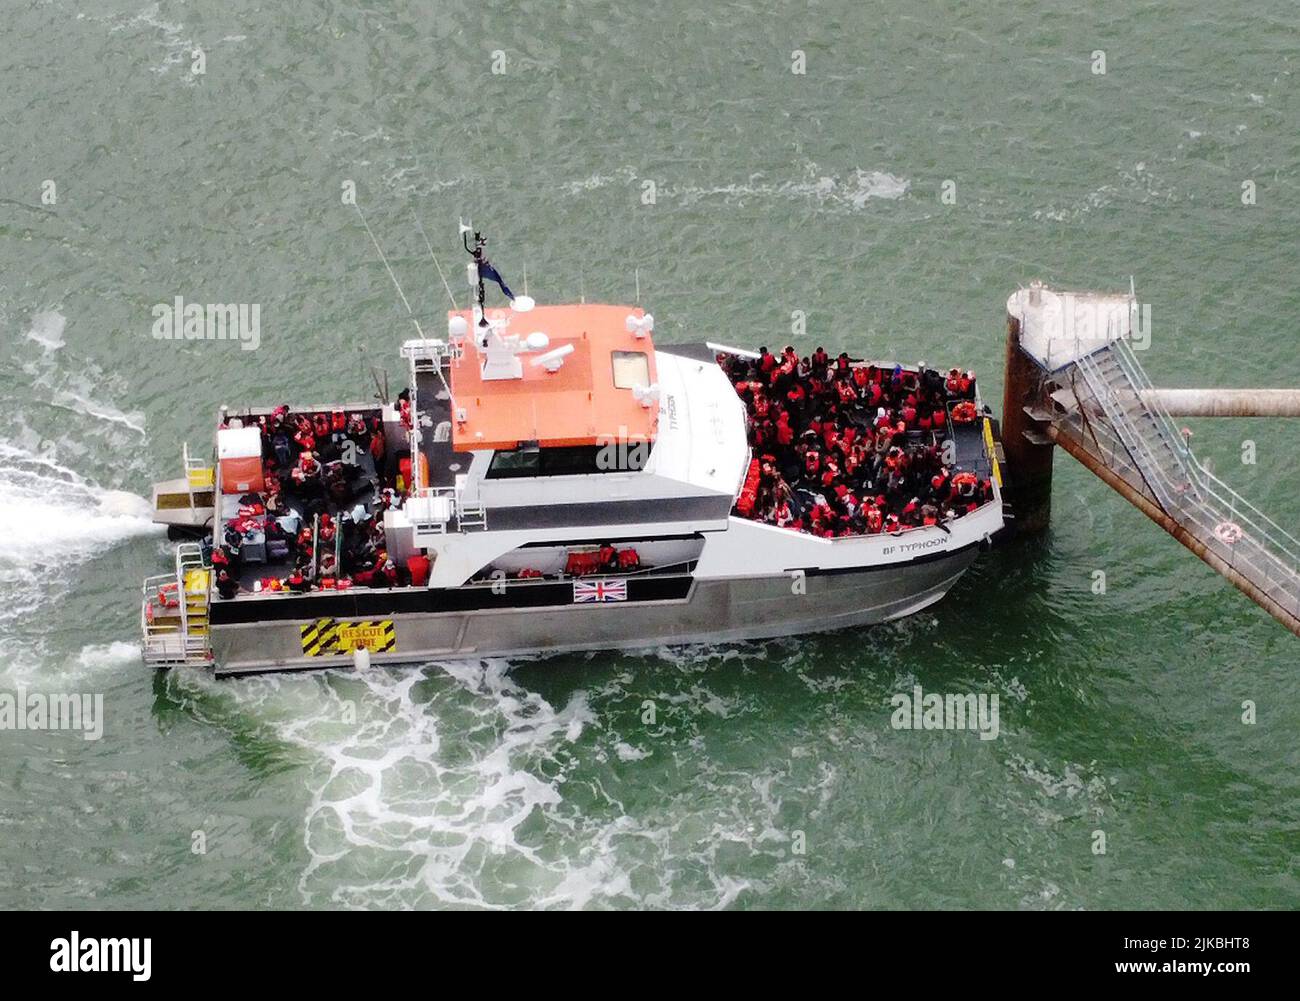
[50,512]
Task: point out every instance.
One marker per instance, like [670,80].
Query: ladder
[174,622]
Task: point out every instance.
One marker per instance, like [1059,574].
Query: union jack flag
[600,590]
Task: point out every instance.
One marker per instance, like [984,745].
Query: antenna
[435,260]
[637,274]
[396,284]
[552,360]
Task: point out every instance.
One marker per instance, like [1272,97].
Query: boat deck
[433,407]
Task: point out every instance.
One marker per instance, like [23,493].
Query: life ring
[964,412]
[1228,532]
[167,596]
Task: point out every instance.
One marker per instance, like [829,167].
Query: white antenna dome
[457,327]
[522,303]
[537,341]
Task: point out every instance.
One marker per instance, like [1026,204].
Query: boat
[554,479]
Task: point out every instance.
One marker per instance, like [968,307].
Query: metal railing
[1261,550]
[466,515]
[183,638]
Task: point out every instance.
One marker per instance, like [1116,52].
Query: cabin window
[529,460]
[631,368]
[522,461]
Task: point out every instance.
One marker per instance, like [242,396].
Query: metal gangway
[1107,414]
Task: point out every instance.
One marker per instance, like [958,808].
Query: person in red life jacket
[220,559]
[842,362]
[875,520]
[963,485]
[338,421]
[820,359]
[296,582]
[320,426]
[908,414]
[911,511]
[784,516]
[326,528]
[966,385]
[953,383]
[929,514]
[766,361]
[761,405]
[308,464]
[784,433]
[812,463]
[797,396]
[227,586]
[847,393]
[924,420]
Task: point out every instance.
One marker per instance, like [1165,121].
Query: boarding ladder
[199,476]
[174,607]
[1120,420]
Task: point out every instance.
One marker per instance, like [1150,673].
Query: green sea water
[675,146]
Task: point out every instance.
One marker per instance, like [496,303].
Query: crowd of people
[316,476]
[843,448]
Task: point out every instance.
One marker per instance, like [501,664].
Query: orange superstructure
[588,401]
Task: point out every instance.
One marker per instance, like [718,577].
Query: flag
[485,270]
[600,590]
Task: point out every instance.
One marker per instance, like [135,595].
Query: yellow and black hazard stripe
[329,637]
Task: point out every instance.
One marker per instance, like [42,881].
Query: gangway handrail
[1156,477]
[1263,537]
[1261,523]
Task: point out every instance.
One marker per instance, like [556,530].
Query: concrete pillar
[1024,440]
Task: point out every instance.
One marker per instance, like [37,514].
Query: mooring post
[1024,439]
